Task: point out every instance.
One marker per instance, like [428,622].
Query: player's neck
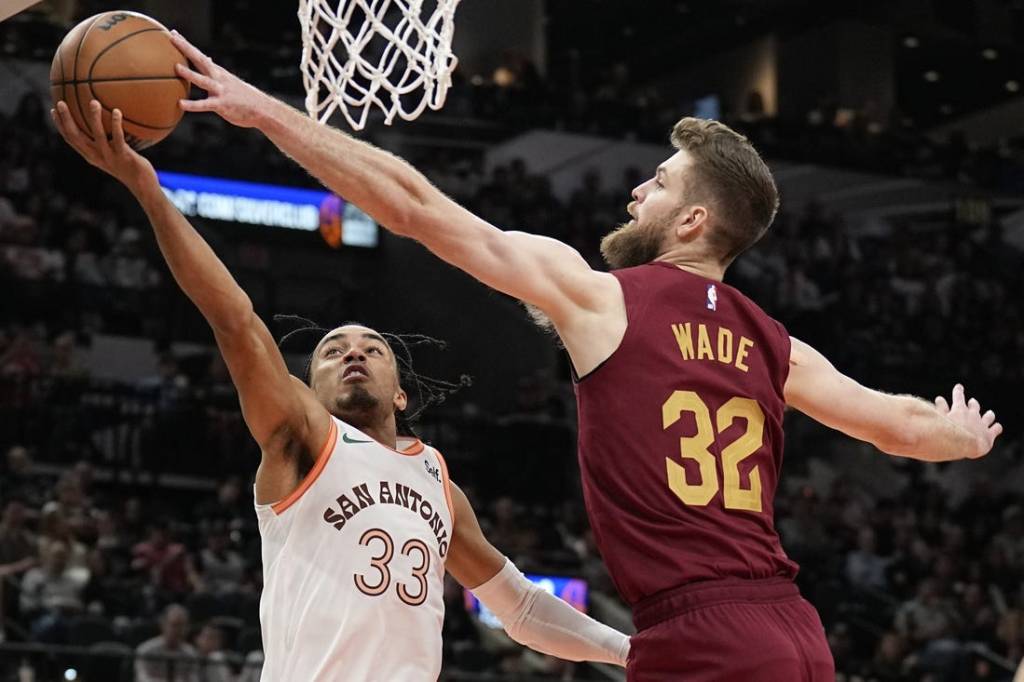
[699,266]
[386,434]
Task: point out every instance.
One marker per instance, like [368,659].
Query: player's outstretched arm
[530,615]
[541,271]
[899,425]
[278,408]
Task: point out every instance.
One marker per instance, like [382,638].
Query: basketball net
[395,55]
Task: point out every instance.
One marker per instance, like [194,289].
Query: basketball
[126,61]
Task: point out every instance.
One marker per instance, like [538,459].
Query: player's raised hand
[233,99]
[967,413]
[113,156]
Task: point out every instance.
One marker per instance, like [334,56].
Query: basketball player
[358,522]
[681,382]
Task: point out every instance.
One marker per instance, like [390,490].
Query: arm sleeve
[547,624]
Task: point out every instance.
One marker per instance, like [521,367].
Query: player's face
[354,374]
[655,209]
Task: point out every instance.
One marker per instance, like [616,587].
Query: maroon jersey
[680,436]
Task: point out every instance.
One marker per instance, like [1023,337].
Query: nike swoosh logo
[344,437]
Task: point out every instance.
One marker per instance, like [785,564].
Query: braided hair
[426,390]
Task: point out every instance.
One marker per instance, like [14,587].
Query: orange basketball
[126,61]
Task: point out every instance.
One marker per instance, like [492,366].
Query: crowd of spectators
[85,562]
[911,585]
[607,98]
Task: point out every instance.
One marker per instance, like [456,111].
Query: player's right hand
[967,414]
[234,100]
[112,156]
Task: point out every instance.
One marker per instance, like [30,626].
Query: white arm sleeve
[547,624]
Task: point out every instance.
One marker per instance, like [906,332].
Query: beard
[631,244]
[358,407]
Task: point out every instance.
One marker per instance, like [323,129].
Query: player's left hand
[234,100]
[967,413]
[114,156]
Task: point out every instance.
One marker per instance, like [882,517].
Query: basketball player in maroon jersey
[681,383]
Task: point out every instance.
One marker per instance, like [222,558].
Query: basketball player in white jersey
[358,524]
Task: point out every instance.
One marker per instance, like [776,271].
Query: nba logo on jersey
[712,297]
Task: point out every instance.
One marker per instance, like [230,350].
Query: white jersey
[353,565]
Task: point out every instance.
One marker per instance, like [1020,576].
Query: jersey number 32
[697,448]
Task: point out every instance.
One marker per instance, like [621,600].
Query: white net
[395,55]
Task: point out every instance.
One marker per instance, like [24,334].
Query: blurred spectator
[17,555]
[19,478]
[978,614]
[126,267]
[55,529]
[803,531]
[213,660]
[70,505]
[13,226]
[169,384]
[889,663]
[221,569]
[1010,632]
[17,544]
[52,592]
[168,657]
[927,616]
[65,362]
[228,507]
[22,356]
[864,568]
[1010,539]
[165,562]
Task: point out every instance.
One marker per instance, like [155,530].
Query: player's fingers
[84,134]
[196,105]
[995,430]
[58,121]
[71,133]
[941,404]
[958,395]
[61,128]
[974,405]
[193,53]
[197,79]
[96,122]
[117,131]
[988,418]
[69,130]
[65,124]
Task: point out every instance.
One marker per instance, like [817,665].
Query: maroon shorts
[729,631]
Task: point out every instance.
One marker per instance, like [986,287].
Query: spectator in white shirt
[53,591]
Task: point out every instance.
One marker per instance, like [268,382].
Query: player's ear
[690,221]
[401,400]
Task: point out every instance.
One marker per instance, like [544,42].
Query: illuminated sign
[570,590]
[252,203]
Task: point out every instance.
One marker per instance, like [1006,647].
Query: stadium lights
[990,54]
[1013,86]
[932,76]
[911,42]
